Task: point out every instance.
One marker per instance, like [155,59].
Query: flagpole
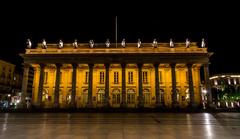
[116,31]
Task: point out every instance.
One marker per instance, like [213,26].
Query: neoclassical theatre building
[128,75]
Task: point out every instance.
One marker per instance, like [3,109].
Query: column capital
[173,65]
[123,65]
[58,65]
[189,65]
[26,65]
[139,65]
[90,65]
[156,65]
[74,65]
[42,65]
[106,65]
[206,64]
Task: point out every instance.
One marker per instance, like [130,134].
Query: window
[116,96]
[60,78]
[161,95]
[130,96]
[145,79]
[146,96]
[70,77]
[101,77]
[187,80]
[160,77]
[130,77]
[85,96]
[86,77]
[115,77]
[100,96]
[45,77]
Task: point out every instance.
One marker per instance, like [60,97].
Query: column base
[89,105]
[106,105]
[159,105]
[140,105]
[56,105]
[123,105]
[39,105]
[73,105]
[193,106]
[211,106]
[175,105]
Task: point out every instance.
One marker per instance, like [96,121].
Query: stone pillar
[190,84]
[90,79]
[174,87]
[40,86]
[74,82]
[123,104]
[106,102]
[140,99]
[57,84]
[24,85]
[208,86]
[158,99]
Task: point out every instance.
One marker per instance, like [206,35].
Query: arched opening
[187,97]
[178,95]
[100,96]
[146,96]
[161,93]
[85,96]
[45,95]
[116,97]
[131,96]
[68,96]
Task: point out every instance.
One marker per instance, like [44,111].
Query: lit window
[145,79]
[130,77]
[60,78]
[115,77]
[86,76]
[146,96]
[161,95]
[46,77]
[130,96]
[101,77]
[187,80]
[85,96]
[116,96]
[100,96]
[160,77]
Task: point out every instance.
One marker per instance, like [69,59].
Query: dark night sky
[217,23]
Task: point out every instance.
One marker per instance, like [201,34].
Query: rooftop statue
[171,43]
[187,43]
[29,44]
[139,43]
[123,43]
[203,43]
[44,44]
[107,43]
[75,44]
[154,44]
[91,43]
[60,44]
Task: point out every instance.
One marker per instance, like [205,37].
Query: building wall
[82,86]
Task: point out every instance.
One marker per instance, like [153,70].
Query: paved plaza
[119,126]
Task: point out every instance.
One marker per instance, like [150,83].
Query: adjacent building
[10,83]
[226,90]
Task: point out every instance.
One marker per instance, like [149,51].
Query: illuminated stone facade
[116,76]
